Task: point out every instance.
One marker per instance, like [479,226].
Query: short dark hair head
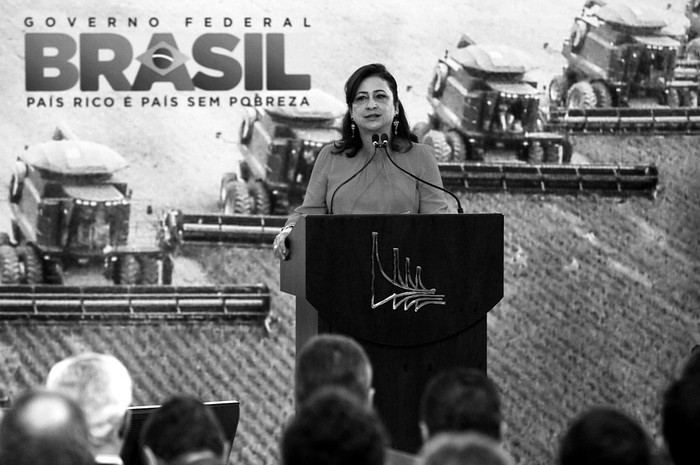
[605,436]
[44,427]
[333,427]
[182,425]
[462,399]
[680,420]
[332,359]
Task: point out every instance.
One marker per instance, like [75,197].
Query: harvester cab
[621,75]
[279,146]
[481,100]
[69,210]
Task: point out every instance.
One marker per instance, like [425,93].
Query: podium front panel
[398,279]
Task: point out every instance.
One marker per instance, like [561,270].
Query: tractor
[68,210]
[279,146]
[481,100]
[618,56]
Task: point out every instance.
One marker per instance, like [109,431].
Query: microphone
[385,141]
[377,143]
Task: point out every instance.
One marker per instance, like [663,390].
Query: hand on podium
[279,246]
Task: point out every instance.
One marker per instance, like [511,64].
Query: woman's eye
[381,97]
[360,98]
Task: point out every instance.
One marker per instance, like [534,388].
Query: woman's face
[373,108]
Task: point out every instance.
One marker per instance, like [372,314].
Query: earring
[396,126]
[352,128]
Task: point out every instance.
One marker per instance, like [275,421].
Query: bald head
[44,427]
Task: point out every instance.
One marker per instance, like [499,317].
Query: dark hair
[462,399]
[680,419]
[332,359]
[333,427]
[24,440]
[350,145]
[605,436]
[182,424]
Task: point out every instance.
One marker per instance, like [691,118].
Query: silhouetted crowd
[81,416]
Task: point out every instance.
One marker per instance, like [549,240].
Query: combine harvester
[276,150]
[68,212]
[491,135]
[622,76]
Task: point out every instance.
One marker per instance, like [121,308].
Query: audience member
[333,359]
[605,436]
[102,386]
[680,415]
[333,427]
[44,427]
[461,400]
[464,449]
[183,431]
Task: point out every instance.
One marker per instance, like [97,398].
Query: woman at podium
[377,166]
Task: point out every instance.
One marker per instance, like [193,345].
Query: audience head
[464,449]
[334,427]
[461,400]
[333,359]
[605,436]
[44,427]
[181,431]
[680,419]
[102,386]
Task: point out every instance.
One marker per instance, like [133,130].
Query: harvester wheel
[30,266]
[581,96]
[149,270]
[457,146]
[259,198]
[603,99]
[689,98]
[557,91]
[437,139]
[237,199]
[129,270]
[226,179]
[9,265]
[673,99]
[693,49]
[421,129]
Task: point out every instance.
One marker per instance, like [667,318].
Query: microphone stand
[384,142]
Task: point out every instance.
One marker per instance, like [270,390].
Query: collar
[108,459]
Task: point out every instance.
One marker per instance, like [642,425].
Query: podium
[413,290]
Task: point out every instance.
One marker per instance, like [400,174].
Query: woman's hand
[279,245]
